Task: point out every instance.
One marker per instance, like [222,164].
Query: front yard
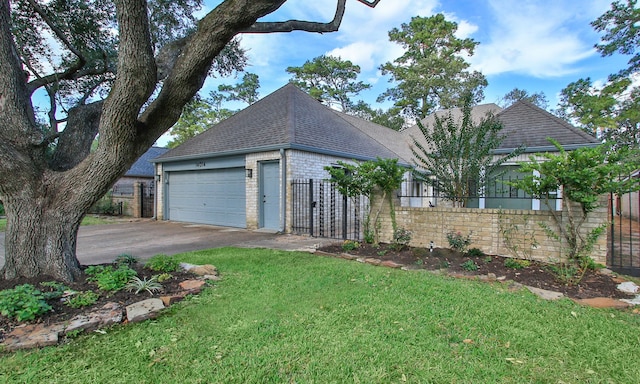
[293,317]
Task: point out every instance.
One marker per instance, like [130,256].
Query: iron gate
[623,251]
[320,210]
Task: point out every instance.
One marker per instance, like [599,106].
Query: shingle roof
[289,118]
[525,123]
[143,166]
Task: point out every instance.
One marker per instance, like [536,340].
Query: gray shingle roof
[143,167]
[525,123]
[289,118]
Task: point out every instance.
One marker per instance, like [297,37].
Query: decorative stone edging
[596,302]
[30,336]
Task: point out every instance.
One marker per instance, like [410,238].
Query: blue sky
[537,45]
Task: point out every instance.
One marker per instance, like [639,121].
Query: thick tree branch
[298,25]
[60,35]
[74,142]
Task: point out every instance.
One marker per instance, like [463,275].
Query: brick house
[238,173]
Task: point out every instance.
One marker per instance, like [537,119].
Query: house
[134,191]
[523,124]
[239,172]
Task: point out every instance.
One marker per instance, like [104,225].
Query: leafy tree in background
[126,70]
[432,73]
[390,118]
[330,80]
[200,114]
[621,33]
[457,157]
[516,94]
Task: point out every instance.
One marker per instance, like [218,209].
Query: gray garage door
[214,196]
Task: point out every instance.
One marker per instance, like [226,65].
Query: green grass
[88,220]
[279,317]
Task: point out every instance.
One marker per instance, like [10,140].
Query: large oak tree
[49,179]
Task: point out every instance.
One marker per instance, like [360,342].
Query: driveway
[143,239]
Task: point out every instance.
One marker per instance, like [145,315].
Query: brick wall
[433,224]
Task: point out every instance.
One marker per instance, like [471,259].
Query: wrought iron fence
[320,210]
[623,251]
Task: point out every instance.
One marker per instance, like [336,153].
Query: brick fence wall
[520,226]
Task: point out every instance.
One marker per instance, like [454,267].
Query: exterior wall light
[249,172]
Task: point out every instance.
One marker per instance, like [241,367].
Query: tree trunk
[40,238]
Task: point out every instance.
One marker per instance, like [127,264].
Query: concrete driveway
[143,239]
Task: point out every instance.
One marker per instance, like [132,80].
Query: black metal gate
[319,210]
[147,197]
[623,253]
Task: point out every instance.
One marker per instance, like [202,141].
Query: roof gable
[288,118]
[143,167]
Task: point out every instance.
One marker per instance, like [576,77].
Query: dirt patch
[536,274]
[62,312]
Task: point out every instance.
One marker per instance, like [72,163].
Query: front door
[270,195]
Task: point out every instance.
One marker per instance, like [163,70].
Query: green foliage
[164,277]
[163,263]
[246,91]
[518,235]
[458,241]
[23,303]
[1,209]
[475,252]
[401,239]
[138,285]
[457,156]
[126,259]
[584,175]
[352,180]
[330,80]
[109,279]
[82,299]
[432,73]
[350,245]
[469,265]
[198,115]
[390,118]
[539,99]
[52,289]
[516,263]
[566,273]
[620,25]
[106,206]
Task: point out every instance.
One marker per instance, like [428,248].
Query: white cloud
[538,38]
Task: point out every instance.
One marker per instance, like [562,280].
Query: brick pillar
[136,203]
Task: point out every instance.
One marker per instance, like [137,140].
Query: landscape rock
[200,270]
[192,286]
[372,261]
[628,287]
[110,313]
[172,299]
[603,302]
[32,336]
[545,294]
[390,264]
[634,301]
[144,310]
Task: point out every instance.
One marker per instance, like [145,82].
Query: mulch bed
[62,312]
[594,284]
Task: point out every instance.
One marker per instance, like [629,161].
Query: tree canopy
[432,73]
[516,94]
[330,80]
[122,70]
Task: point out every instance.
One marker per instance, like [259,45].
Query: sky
[536,45]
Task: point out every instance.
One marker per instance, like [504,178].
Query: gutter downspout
[283,191]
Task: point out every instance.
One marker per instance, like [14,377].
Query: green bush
[475,252]
[23,303]
[458,241]
[469,265]
[1,209]
[163,263]
[109,279]
[125,259]
[82,299]
[516,263]
[401,239]
[138,285]
[350,245]
[52,289]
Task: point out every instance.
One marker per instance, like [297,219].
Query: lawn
[293,317]
[88,220]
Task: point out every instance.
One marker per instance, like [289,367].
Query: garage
[210,196]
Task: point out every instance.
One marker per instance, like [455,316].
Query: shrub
[82,299]
[350,245]
[475,252]
[469,265]
[164,277]
[459,242]
[125,259]
[163,263]
[401,239]
[1,209]
[109,279]
[136,284]
[23,303]
[516,263]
